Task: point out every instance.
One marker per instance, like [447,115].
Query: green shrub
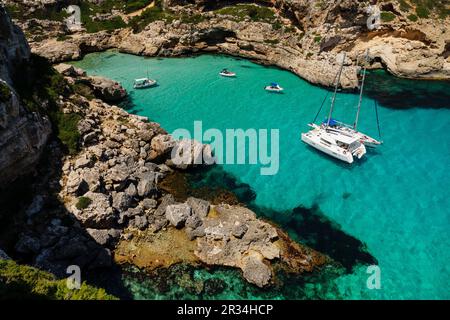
[404,6]
[149,15]
[387,16]
[63,37]
[196,18]
[65,125]
[135,5]
[83,203]
[5,92]
[422,12]
[254,12]
[83,90]
[413,17]
[317,39]
[270,41]
[25,282]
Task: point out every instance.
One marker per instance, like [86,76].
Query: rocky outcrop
[301,37]
[23,134]
[14,49]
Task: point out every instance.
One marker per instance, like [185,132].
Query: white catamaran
[337,139]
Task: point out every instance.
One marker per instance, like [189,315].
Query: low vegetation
[148,16]
[83,203]
[242,11]
[387,16]
[413,17]
[25,282]
[21,13]
[40,87]
[5,92]
[426,8]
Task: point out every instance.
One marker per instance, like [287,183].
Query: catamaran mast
[355,125]
[336,89]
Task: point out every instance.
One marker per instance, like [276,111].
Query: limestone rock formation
[23,134]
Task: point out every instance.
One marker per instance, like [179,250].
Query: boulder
[98,215]
[161,145]
[146,183]
[120,200]
[28,244]
[108,90]
[255,270]
[199,206]
[177,214]
[139,222]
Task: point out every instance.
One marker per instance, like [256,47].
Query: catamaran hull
[347,157]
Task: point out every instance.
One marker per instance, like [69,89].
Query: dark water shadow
[307,225]
[398,93]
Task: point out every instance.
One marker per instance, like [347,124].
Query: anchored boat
[144,83]
[227,73]
[274,87]
[337,139]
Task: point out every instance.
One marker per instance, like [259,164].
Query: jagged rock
[101,236]
[139,222]
[239,230]
[98,215]
[255,270]
[193,221]
[188,153]
[219,246]
[146,183]
[104,237]
[195,233]
[177,214]
[199,206]
[28,244]
[83,162]
[23,134]
[36,206]
[120,200]
[108,90]
[161,145]
[149,203]
[131,191]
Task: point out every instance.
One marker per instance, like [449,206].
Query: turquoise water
[396,201]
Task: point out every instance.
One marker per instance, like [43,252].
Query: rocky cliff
[23,134]
[408,38]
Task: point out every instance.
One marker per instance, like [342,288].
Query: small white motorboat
[274,87]
[144,83]
[226,73]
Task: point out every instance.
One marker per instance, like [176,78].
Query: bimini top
[274,84]
[333,122]
[141,80]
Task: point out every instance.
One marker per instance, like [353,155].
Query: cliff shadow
[36,229]
[397,93]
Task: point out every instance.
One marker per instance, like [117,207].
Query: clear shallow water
[396,201]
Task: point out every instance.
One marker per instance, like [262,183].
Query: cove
[395,201]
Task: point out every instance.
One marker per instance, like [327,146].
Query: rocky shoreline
[305,43]
[123,160]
